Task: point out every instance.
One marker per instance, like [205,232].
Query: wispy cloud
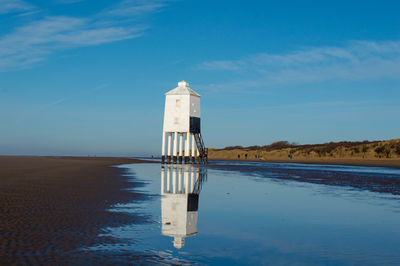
[357,61]
[136,7]
[69,1]
[8,6]
[33,42]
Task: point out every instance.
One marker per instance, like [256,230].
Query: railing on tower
[202,177]
[203,151]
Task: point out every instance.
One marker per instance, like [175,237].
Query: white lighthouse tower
[181,138]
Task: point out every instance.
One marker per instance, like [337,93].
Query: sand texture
[52,206]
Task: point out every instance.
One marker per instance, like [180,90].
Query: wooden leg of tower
[163,148]
[180,147]
[187,147]
[173,179]
[179,169]
[186,179]
[162,179]
[175,146]
[193,148]
[169,147]
[168,189]
[191,180]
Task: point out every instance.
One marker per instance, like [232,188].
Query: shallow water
[272,215]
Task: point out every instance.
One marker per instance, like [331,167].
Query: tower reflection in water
[180,189]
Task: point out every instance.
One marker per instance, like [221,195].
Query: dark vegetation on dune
[283,144]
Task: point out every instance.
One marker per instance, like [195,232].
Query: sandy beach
[52,206]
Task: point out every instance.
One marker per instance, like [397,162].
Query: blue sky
[89,77]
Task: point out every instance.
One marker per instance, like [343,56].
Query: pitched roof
[182,89]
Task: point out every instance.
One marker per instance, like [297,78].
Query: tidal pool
[262,213]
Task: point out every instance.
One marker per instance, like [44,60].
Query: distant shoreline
[376,153]
[393,163]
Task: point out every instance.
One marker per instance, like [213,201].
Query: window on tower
[178,103]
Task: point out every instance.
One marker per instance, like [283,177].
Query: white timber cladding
[194,106]
[176,114]
[180,104]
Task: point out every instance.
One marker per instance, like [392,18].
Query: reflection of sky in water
[249,220]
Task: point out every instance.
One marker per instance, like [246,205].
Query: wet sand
[394,163]
[50,207]
[362,180]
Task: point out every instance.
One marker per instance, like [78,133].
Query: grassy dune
[388,150]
